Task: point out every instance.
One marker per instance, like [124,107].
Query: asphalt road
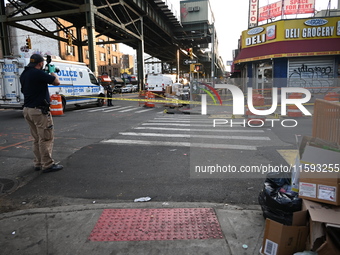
[125,152]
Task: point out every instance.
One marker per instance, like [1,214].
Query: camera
[49,68]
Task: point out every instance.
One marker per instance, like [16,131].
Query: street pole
[90,26]
[177,65]
[191,88]
[213,55]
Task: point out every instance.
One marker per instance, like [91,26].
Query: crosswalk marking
[191,131]
[131,109]
[146,110]
[97,110]
[182,121]
[174,117]
[116,108]
[113,108]
[254,138]
[201,130]
[176,124]
[181,144]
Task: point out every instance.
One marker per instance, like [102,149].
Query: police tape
[172,101]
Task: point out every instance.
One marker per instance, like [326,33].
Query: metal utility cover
[156,224]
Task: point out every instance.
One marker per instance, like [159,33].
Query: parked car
[135,87]
[126,89]
[133,80]
[117,89]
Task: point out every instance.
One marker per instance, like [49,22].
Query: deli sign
[315,28]
[299,29]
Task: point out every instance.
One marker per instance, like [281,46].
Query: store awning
[105,79]
[286,49]
[118,80]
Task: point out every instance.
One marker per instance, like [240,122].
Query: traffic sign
[189,61]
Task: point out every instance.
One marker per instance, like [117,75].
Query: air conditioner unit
[190,9]
[196,9]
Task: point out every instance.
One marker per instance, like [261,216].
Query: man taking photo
[34,85]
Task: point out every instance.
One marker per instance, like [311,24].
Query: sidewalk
[86,229]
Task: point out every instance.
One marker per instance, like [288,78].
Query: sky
[231,18]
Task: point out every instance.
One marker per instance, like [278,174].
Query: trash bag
[280,179]
[277,201]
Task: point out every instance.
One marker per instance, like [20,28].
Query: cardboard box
[312,151]
[328,248]
[280,239]
[324,190]
[319,177]
[320,215]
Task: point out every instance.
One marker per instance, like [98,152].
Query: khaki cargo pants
[41,127]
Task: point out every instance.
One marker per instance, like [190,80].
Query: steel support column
[140,58]
[4,41]
[80,46]
[90,26]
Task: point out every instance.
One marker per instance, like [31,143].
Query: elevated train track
[147,26]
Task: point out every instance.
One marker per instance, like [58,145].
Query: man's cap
[35,59]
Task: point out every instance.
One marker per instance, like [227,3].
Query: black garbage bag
[276,201]
[279,179]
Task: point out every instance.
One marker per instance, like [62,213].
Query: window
[69,50]
[115,60]
[87,54]
[101,45]
[114,47]
[102,56]
[93,79]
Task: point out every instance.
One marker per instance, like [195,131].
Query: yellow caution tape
[167,100]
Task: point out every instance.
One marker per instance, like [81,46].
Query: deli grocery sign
[284,30]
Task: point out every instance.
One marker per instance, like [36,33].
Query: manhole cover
[6,185]
[156,224]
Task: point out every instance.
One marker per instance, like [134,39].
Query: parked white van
[157,83]
[78,85]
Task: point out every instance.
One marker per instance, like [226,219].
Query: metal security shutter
[317,74]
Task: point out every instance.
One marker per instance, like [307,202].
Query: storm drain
[6,185]
[156,224]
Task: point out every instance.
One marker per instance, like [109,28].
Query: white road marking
[181,144]
[253,138]
[201,130]
[146,110]
[174,124]
[118,109]
[131,109]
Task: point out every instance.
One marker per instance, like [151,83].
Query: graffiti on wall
[319,79]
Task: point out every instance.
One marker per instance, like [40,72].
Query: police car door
[86,90]
[65,89]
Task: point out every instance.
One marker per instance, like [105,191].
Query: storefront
[297,53]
